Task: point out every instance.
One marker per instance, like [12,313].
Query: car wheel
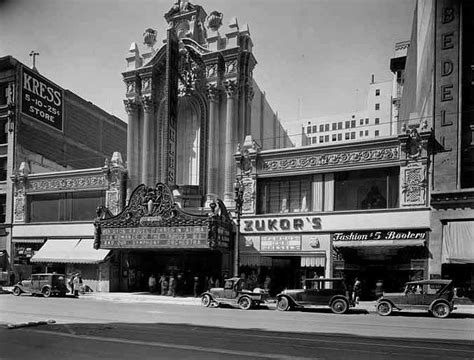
[46,292]
[339,306]
[283,304]
[16,291]
[206,300]
[245,303]
[441,310]
[384,308]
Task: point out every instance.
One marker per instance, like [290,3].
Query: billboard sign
[41,99]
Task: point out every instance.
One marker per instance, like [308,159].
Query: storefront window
[64,207]
[366,189]
[284,195]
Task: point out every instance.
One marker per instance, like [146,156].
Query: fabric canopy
[458,242]
[313,261]
[74,251]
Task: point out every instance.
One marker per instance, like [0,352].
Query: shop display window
[366,189]
[80,206]
[284,195]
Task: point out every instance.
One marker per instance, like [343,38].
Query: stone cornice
[313,158]
[453,199]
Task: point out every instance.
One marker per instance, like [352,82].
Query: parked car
[45,284]
[436,296]
[232,294]
[317,292]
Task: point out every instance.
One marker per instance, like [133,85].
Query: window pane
[366,189]
[285,195]
[44,208]
[83,205]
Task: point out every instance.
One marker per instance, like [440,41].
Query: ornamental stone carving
[131,88]
[130,106]
[146,85]
[20,208]
[334,159]
[231,88]
[231,67]
[413,185]
[214,20]
[211,71]
[113,201]
[212,92]
[67,183]
[248,205]
[148,104]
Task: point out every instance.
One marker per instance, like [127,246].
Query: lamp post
[238,198]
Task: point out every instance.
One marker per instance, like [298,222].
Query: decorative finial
[214,20]
[149,37]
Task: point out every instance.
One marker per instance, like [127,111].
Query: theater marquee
[41,99]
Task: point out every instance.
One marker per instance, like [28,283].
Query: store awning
[313,261]
[379,243]
[458,242]
[255,260]
[73,251]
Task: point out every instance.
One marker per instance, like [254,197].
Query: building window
[376,133]
[321,139]
[339,136]
[361,121]
[326,138]
[314,139]
[339,125]
[367,121]
[377,106]
[347,136]
[377,92]
[326,127]
[366,132]
[348,124]
[284,195]
[78,206]
[334,126]
[321,128]
[361,134]
[3,169]
[353,123]
[3,207]
[3,131]
[353,135]
[366,189]
[308,129]
[315,128]
[334,137]
[377,121]
[3,94]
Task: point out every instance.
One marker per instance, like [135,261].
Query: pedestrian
[266,283]
[210,283]
[356,291]
[217,283]
[71,283]
[196,285]
[77,284]
[152,283]
[172,286]
[378,289]
[163,284]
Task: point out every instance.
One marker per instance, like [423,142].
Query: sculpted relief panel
[69,183]
[334,159]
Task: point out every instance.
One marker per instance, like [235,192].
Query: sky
[314,57]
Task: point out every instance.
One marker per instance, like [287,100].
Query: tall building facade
[438,96]
[48,131]
[190,102]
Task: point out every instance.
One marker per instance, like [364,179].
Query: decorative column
[213,95]
[229,167]
[147,159]
[131,107]
[115,174]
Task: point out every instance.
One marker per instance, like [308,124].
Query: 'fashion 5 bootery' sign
[41,99]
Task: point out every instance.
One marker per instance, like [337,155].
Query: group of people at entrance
[75,284]
[179,285]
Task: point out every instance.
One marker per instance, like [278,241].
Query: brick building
[48,130]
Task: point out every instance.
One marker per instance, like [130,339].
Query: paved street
[116,326]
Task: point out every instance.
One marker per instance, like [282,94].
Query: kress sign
[283,224]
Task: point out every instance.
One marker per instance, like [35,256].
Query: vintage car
[45,284]
[233,294]
[436,296]
[317,292]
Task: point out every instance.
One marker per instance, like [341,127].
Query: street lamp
[238,198]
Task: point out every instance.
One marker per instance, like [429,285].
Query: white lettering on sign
[282,224]
[39,88]
[379,235]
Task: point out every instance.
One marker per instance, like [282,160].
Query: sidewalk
[146,297]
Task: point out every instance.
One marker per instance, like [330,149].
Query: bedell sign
[41,99]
